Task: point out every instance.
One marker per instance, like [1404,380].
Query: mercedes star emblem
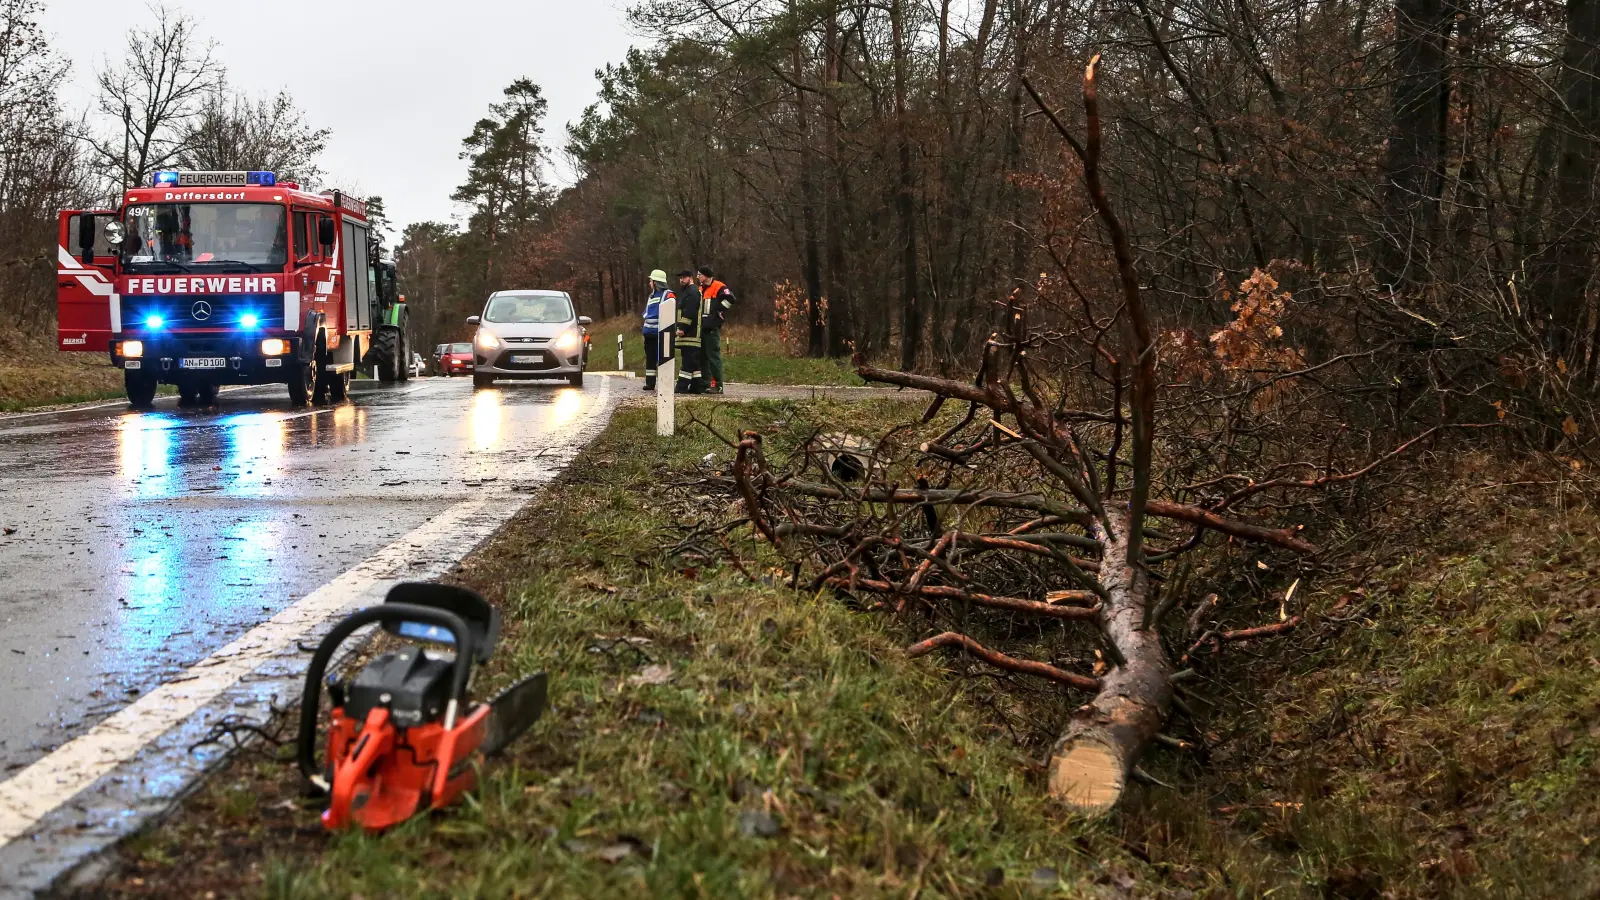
[201,311]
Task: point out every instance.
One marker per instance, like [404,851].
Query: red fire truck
[212,278]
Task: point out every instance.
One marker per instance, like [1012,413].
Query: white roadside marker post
[667,371]
[621,366]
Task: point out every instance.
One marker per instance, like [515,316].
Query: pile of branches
[1032,506]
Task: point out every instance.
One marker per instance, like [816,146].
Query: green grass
[751,354]
[792,751]
[1437,736]
[1433,729]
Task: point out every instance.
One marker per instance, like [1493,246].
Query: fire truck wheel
[338,386]
[301,379]
[188,393]
[208,394]
[141,389]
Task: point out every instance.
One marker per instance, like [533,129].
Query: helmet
[658,276]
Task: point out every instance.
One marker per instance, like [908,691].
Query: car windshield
[186,236]
[515,309]
[461,348]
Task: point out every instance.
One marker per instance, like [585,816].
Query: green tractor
[390,355]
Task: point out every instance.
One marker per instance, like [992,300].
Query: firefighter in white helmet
[654,328]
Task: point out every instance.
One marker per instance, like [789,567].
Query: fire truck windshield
[189,236]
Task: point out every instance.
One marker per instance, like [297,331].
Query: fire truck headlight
[274,347]
[247,321]
[132,349]
[153,321]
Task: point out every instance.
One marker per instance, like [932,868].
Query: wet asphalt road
[145,541]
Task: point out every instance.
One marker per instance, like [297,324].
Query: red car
[457,359]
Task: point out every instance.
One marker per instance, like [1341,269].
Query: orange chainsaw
[403,737]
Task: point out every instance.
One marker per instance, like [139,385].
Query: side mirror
[86,238]
[119,237]
[474,320]
[326,232]
[585,320]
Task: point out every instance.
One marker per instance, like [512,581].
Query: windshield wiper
[254,267]
[182,267]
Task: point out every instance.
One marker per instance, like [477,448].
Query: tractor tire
[405,354]
[385,354]
[141,388]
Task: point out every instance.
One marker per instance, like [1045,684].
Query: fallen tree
[1028,493]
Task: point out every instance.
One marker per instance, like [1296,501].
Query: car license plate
[527,358]
[203,362]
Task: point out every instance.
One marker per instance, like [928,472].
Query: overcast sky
[400,82]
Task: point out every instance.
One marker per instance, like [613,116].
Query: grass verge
[1437,734]
[34,373]
[712,734]
[1432,731]
[752,354]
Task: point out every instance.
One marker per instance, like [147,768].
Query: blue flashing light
[261,179]
[160,179]
[247,320]
[153,321]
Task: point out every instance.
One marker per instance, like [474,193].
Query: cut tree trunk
[1091,763]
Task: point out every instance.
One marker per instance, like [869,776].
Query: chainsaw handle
[305,745]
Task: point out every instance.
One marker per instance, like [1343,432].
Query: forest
[1414,179]
[1411,182]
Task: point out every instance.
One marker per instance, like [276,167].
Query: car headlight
[568,342]
[487,340]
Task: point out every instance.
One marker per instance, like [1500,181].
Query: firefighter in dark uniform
[718,303]
[691,373]
[654,327]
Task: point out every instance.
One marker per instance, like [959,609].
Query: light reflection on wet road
[144,541]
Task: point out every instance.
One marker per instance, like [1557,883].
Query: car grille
[225,310]
[219,345]
[503,361]
[537,341]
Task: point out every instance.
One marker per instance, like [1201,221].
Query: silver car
[528,334]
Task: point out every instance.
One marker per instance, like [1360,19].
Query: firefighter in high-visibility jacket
[654,352]
[718,303]
[691,361]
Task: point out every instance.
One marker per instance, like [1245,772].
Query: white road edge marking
[33,793]
[163,400]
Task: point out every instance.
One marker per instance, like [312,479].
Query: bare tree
[233,131]
[155,94]
[41,169]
